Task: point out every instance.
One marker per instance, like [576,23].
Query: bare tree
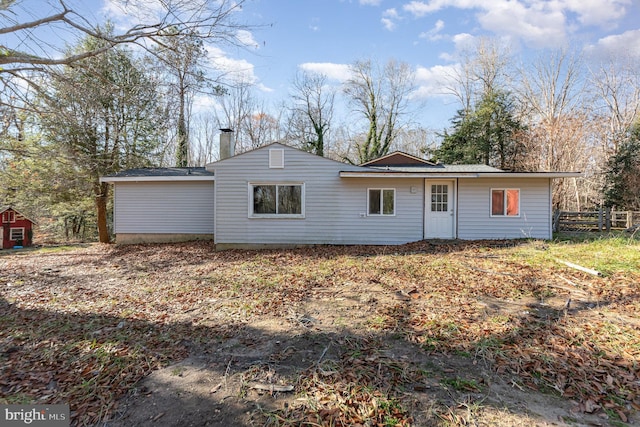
[260,127]
[200,18]
[182,57]
[204,134]
[616,92]
[381,96]
[551,91]
[419,141]
[236,108]
[551,86]
[483,68]
[253,124]
[36,47]
[312,111]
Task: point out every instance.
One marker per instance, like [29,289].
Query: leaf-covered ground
[484,333]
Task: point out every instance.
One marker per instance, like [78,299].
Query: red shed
[15,229]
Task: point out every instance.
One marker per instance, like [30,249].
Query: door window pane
[439,198]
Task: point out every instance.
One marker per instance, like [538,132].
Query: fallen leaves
[83,326]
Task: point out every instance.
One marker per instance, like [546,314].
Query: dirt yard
[448,334]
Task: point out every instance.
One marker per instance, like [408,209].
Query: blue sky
[328,35]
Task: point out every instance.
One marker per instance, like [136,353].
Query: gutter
[113,179]
[453,175]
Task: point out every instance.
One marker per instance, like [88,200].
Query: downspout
[457,207]
[424,208]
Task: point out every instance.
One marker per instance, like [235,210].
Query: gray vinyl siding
[164,207]
[335,208]
[474,210]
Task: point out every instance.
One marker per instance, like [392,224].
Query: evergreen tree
[102,116]
[622,188]
[487,134]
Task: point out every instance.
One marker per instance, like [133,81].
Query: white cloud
[597,12]
[538,28]
[434,33]
[432,82]
[246,38]
[539,23]
[235,70]
[389,18]
[125,15]
[622,45]
[420,8]
[391,13]
[461,42]
[203,103]
[264,88]
[370,2]
[340,72]
[388,24]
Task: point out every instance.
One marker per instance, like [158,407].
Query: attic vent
[276,158]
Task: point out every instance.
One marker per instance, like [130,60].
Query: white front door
[439,218]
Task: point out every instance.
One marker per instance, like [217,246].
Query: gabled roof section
[160,174]
[6,208]
[212,166]
[398,158]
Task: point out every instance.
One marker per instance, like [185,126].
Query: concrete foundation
[134,238]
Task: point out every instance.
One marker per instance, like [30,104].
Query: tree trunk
[102,194]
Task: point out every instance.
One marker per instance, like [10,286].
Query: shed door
[1,237]
[440,209]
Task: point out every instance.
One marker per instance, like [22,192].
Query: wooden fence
[600,220]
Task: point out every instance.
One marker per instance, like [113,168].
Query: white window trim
[382,202]
[11,230]
[504,201]
[252,215]
[10,215]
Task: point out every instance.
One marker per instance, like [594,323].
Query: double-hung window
[8,216]
[16,234]
[282,200]
[505,202]
[381,201]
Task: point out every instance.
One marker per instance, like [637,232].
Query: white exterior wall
[335,208]
[474,209]
[185,207]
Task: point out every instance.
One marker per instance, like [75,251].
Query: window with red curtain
[497,202]
[513,202]
[505,202]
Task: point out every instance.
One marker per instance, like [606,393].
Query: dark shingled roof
[438,168]
[159,172]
